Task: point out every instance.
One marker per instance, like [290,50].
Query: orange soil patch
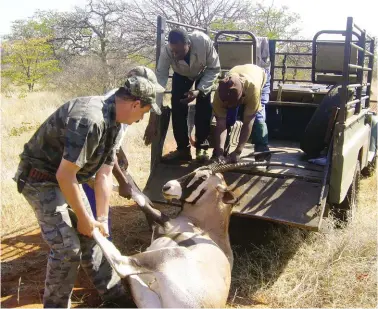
[23,268]
[24,260]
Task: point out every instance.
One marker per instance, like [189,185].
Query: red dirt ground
[24,259]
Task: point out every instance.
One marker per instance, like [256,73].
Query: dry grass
[290,268]
[19,120]
[294,268]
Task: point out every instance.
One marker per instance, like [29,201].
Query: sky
[315,15]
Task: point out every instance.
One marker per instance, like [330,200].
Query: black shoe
[202,155]
[177,156]
[264,156]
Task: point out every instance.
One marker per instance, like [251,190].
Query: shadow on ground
[24,258]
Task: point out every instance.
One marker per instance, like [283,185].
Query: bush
[84,76]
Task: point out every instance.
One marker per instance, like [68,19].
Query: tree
[28,61]
[267,21]
[99,29]
[124,31]
[273,22]
[201,13]
[116,30]
[28,55]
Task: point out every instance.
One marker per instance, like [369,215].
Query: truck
[297,111]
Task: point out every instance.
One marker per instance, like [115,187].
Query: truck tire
[345,211]
[312,142]
[370,168]
[373,148]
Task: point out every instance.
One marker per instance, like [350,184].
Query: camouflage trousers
[68,249]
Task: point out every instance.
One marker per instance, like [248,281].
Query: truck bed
[288,195]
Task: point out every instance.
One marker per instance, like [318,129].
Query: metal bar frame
[273,66]
[356,101]
[272,56]
[370,73]
[360,68]
[237,32]
[207,31]
[156,146]
[352,30]
[293,80]
[289,41]
[358,85]
[293,67]
[363,39]
[294,54]
[315,42]
[345,83]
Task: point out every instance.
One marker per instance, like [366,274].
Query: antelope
[189,261]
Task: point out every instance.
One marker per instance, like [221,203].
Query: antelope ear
[229,198]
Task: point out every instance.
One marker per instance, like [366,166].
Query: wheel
[370,168]
[345,211]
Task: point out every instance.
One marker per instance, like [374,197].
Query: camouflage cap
[143,89]
[146,73]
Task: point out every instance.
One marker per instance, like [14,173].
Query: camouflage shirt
[83,131]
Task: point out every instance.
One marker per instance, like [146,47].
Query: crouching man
[73,144]
[239,93]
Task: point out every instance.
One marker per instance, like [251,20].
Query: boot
[262,157]
[177,156]
[202,155]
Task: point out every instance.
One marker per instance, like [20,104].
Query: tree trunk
[105,67]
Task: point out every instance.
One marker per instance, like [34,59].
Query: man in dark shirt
[75,143]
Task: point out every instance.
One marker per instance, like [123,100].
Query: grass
[306,269]
[20,118]
[290,268]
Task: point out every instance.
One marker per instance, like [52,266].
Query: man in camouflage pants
[73,144]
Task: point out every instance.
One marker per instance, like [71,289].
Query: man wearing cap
[76,142]
[240,89]
[194,60]
[121,162]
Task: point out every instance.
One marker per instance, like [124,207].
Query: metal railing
[363,53]
[355,37]
[234,34]
[284,66]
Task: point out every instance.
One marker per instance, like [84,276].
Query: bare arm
[220,136]
[119,170]
[151,129]
[103,189]
[118,173]
[245,133]
[66,176]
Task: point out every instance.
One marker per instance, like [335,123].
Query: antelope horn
[221,168]
[217,165]
[253,154]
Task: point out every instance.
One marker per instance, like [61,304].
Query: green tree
[274,22]
[28,61]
